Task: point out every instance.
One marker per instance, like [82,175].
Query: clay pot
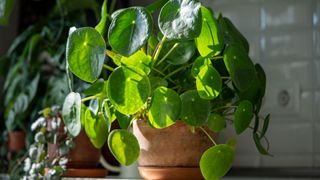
[16,141]
[170,153]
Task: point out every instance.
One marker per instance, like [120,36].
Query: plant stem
[161,73]
[208,135]
[158,49]
[108,67]
[90,97]
[225,77]
[216,57]
[169,52]
[177,70]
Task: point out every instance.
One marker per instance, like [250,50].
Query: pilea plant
[194,69]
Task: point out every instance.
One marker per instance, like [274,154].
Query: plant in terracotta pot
[177,86]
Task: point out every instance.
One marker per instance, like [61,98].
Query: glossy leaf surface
[243,116]
[208,83]
[71,111]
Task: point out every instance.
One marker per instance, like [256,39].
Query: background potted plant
[184,82]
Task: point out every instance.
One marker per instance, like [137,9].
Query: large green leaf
[239,66]
[216,161]
[210,41]
[129,30]
[180,19]
[243,116]
[85,54]
[216,122]
[165,107]
[96,128]
[139,60]
[124,146]
[198,64]
[195,111]
[71,111]
[208,83]
[128,89]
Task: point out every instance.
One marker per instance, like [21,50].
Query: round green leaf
[243,116]
[211,40]
[124,146]
[139,60]
[181,54]
[128,89]
[180,19]
[129,30]
[239,66]
[165,107]
[216,161]
[71,111]
[195,111]
[157,82]
[96,128]
[85,53]
[208,83]
[198,64]
[216,122]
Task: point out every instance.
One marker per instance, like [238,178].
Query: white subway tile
[283,160]
[290,137]
[286,44]
[286,13]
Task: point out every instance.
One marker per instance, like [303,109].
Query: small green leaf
[104,21]
[128,89]
[210,41]
[129,30]
[216,161]
[85,53]
[195,111]
[259,146]
[94,106]
[107,114]
[198,64]
[180,19]
[95,88]
[243,116]
[181,54]
[71,111]
[83,115]
[96,128]
[265,126]
[240,67]
[123,120]
[208,83]
[157,82]
[139,60]
[124,146]
[165,107]
[216,122]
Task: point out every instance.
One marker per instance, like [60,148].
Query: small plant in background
[47,130]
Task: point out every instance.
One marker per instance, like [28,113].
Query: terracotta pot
[170,153]
[16,141]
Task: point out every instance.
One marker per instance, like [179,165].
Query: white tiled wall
[285,38]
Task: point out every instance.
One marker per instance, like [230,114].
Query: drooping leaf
[94,106]
[108,113]
[208,83]
[198,64]
[96,128]
[124,146]
[259,145]
[139,60]
[95,88]
[216,122]
[101,27]
[129,30]
[210,41]
[180,19]
[85,53]
[195,111]
[265,126]
[216,161]
[165,107]
[128,89]
[239,66]
[71,112]
[123,120]
[243,116]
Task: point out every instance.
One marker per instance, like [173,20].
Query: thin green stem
[214,142]
[90,97]
[108,67]
[158,49]
[169,52]
[225,77]
[216,57]
[177,70]
[161,73]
